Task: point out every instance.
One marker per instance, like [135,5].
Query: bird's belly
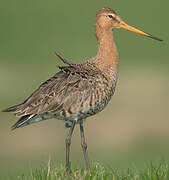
[86,108]
[100,105]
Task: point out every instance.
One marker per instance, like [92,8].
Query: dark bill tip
[153,37]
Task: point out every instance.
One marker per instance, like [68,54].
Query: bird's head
[107,18]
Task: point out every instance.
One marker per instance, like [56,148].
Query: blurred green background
[133,129]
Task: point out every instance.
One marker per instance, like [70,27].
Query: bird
[78,91]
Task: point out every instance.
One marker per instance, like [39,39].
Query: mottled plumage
[74,93]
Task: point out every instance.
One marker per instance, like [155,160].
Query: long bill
[130,28]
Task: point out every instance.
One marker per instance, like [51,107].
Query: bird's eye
[110,16]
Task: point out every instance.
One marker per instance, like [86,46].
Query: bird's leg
[84,145]
[68,142]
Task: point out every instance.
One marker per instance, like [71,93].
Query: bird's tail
[23,121]
[31,118]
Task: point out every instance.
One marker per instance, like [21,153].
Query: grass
[152,171]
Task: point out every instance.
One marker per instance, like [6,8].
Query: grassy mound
[98,172]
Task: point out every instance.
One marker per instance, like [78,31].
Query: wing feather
[69,86]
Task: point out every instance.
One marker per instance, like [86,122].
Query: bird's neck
[107,55]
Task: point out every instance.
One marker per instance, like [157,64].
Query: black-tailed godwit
[78,91]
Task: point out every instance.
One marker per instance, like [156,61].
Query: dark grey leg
[68,142]
[84,145]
